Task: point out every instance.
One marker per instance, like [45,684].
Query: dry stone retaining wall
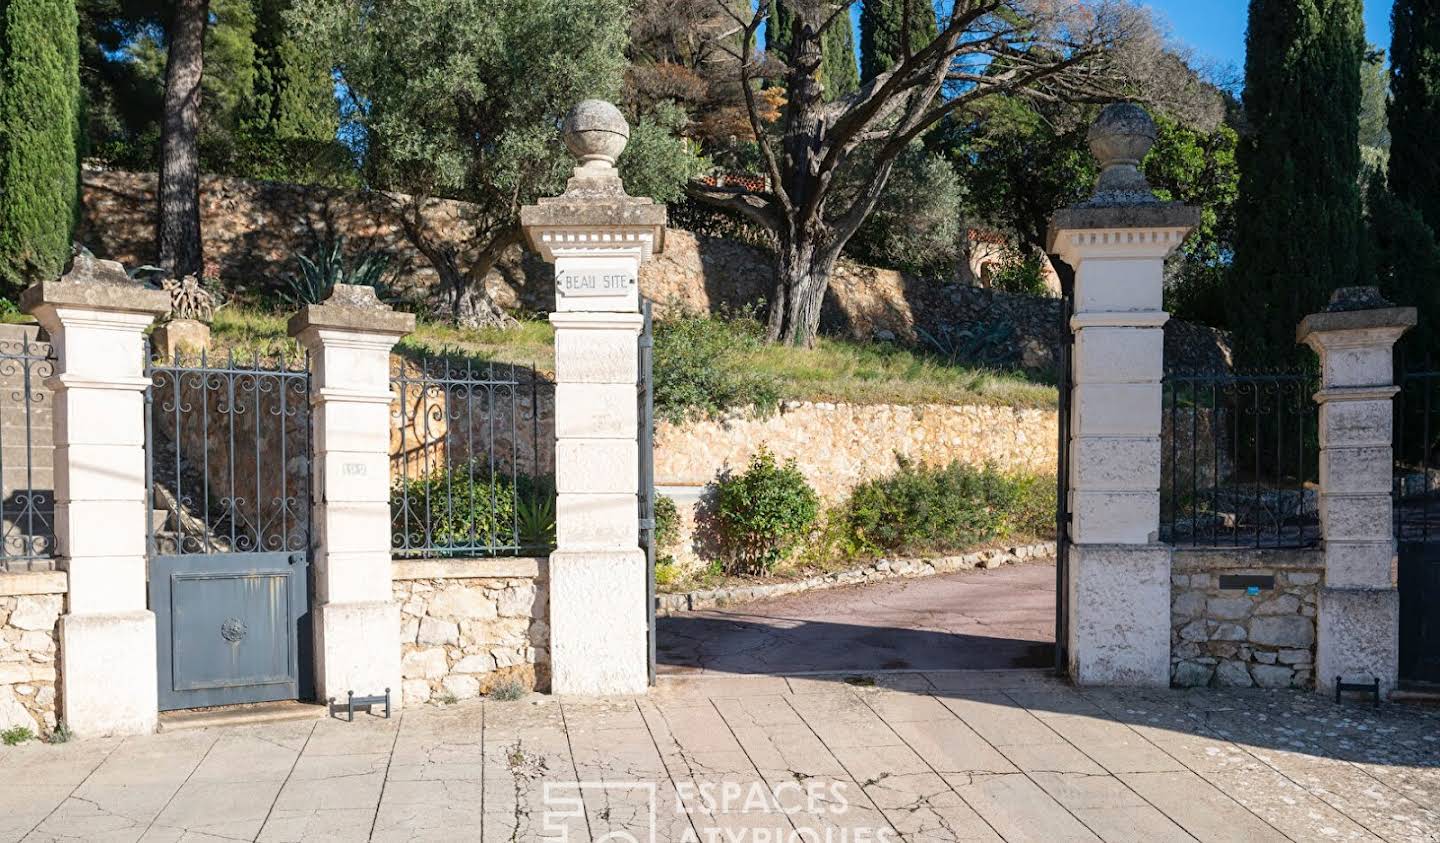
[838,446]
[30,607]
[468,625]
[1229,637]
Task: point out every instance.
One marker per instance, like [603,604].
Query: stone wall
[1229,637]
[467,625]
[253,230]
[838,446]
[30,607]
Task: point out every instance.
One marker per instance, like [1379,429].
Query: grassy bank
[835,370]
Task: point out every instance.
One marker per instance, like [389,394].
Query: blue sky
[1216,28]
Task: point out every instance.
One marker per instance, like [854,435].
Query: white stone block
[1359,637]
[1357,424]
[1116,463]
[109,683]
[1108,284]
[597,521]
[1360,564]
[598,623]
[606,355]
[597,465]
[1368,517]
[1356,470]
[1119,599]
[1359,365]
[100,417]
[356,649]
[352,476]
[99,472]
[100,528]
[97,344]
[107,584]
[1108,409]
[596,411]
[357,576]
[352,426]
[1120,518]
[353,527]
[353,362]
[1119,355]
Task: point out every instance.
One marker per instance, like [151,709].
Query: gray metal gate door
[228,466]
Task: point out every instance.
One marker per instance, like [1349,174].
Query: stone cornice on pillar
[618,222]
[1139,230]
[1355,328]
[350,309]
[94,285]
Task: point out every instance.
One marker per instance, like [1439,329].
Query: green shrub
[762,513]
[667,573]
[930,509]
[1022,273]
[699,370]
[508,690]
[461,506]
[667,522]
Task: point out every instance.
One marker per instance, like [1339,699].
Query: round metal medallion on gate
[233,629]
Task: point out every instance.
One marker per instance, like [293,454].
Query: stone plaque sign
[594,282]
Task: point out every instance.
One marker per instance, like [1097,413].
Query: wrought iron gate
[1417,521]
[646,441]
[228,468]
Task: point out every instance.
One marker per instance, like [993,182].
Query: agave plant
[319,275]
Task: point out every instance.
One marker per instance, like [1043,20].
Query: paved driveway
[1003,618]
[974,756]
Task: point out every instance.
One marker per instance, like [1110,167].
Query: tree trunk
[179,217]
[804,276]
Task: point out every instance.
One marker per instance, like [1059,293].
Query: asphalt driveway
[973,620]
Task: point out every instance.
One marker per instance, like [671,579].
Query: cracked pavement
[1010,755]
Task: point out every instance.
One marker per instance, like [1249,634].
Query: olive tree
[462,100]
[1044,50]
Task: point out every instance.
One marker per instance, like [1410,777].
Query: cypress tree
[291,113]
[882,27]
[1415,107]
[39,133]
[838,72]
[1300,232]
[837,57]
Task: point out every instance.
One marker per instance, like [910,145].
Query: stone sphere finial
[596,133]
[1120,139]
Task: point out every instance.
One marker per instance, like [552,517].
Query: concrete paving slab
[997,757]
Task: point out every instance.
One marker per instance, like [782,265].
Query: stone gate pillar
[1359,608]
[1118,588]
[356,622]
[96,318]
[597,237]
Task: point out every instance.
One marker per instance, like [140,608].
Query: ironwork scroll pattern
[27,529]
[229,455]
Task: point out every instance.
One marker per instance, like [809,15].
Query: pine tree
[882,28]
[1300,233]
[39,132]
[1415,107]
